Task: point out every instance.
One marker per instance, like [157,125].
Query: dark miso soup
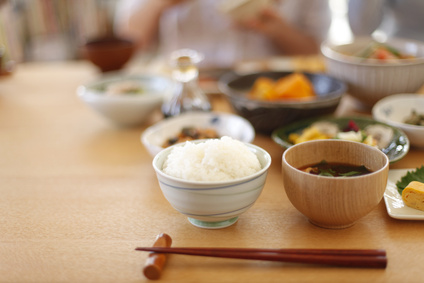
[333,169]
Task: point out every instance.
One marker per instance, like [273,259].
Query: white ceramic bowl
[224,124]
[126,109]
[370,81]
[394,109]
[212,205]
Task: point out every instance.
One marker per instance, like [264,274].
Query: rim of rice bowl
[253,148]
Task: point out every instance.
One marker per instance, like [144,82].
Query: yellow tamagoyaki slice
[413,195]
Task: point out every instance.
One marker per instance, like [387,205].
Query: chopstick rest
[344,258]
[155,261]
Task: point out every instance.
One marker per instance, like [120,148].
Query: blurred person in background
[286,27]
[395,18]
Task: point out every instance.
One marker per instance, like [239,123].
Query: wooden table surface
[78,195]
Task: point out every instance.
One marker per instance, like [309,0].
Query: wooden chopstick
[359,252]
[345,258]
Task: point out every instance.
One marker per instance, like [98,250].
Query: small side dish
[389,139]
[375,135]
[403,111]
[398,181]
[411,188]
[126,100]
[193,126]
[381,72]
[268,115]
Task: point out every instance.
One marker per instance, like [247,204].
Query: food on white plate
[380,133]
[411,188]
[374,135]
[413,195]
[410,176]
[191,133]
[129,87]
[212,160]
[415,118]
[326,128]
[383,52]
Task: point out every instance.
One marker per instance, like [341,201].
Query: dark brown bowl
[266,116]
[109,53]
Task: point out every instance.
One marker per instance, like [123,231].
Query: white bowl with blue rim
[225,124]
[394,110]
[212,204]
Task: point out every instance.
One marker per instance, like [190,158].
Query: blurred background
[34,30]
[42,30]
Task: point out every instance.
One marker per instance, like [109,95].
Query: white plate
[225,124]
[394,203]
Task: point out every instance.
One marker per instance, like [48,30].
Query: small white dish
[396,208]
[126,109]
[394,109]
[224,124]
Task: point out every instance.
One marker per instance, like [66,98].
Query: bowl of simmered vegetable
[334,183]
[271,99]
[404,111]
[375,69]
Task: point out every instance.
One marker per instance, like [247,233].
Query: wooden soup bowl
[334,202]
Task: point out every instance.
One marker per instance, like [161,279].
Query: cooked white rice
[213,160]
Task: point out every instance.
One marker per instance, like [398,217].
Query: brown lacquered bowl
[108,53]
[334,202]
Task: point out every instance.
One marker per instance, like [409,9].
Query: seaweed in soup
[335,169]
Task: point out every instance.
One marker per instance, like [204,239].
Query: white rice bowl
[212,160]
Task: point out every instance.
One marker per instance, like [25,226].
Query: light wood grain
[78,195]
[334,203]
